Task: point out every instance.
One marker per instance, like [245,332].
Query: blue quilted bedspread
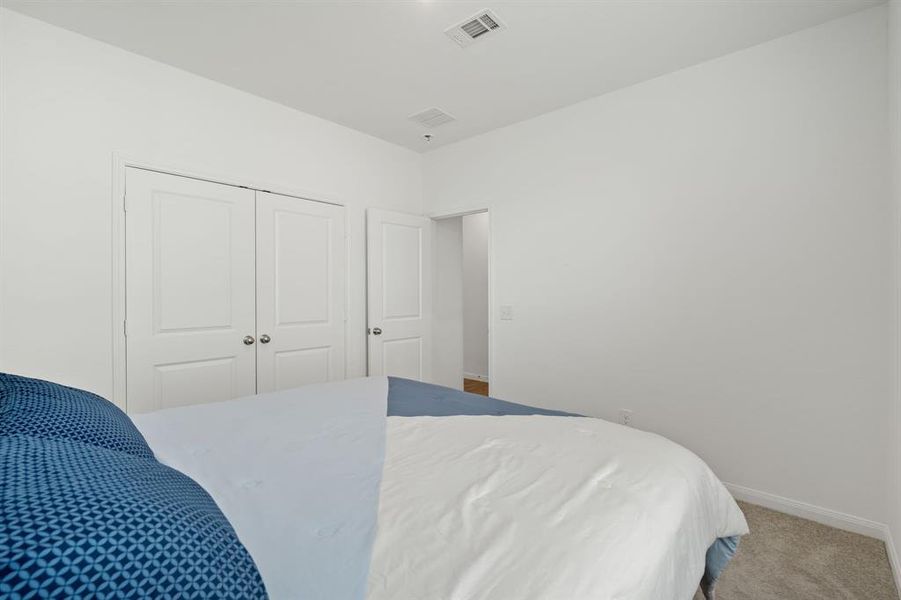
[86,511]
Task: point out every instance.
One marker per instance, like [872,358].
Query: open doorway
[475,303]
[461,302]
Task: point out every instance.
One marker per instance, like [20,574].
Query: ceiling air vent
[431,118]
[474,28]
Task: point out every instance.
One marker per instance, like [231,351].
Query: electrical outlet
[625,417]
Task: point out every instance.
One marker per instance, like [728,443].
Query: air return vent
[475,28]
[431,118]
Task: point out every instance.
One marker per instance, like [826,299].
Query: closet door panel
[301,281]
[190,291]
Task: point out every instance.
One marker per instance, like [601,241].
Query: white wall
[67,104]
[447,310]
[894,465]
[711,249]
[475,295]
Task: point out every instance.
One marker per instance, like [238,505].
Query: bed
[385,488]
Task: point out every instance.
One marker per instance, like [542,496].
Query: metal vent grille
[431,118]
[474,28]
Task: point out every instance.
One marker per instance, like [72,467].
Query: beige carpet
[788,558]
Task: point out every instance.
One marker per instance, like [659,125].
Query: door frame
[441,215]
[120,163]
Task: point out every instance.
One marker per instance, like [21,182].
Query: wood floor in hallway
[474,386]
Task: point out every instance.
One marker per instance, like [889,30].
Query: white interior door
[399,250]
[301,282]
[189,291]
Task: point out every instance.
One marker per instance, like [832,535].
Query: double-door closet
[230,291]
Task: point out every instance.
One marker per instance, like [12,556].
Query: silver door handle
[248,340]
[376,331]
[265,339]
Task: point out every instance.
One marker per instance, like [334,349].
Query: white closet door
[301,286]
[189,291]
[399,294]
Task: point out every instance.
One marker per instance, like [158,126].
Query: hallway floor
[474,386]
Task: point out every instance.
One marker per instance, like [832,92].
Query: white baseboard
[893,559]
[826,516]
[475,376]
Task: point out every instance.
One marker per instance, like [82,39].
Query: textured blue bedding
[407,398]
[86,511]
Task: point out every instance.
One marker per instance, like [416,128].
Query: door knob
[376,331]
[265,339]
[248,340]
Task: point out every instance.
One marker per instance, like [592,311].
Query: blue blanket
[297,472]
[407,398]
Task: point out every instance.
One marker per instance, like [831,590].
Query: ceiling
[371,64]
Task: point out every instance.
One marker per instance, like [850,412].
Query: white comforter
[518,507]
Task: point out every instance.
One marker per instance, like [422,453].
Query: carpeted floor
[788,558]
